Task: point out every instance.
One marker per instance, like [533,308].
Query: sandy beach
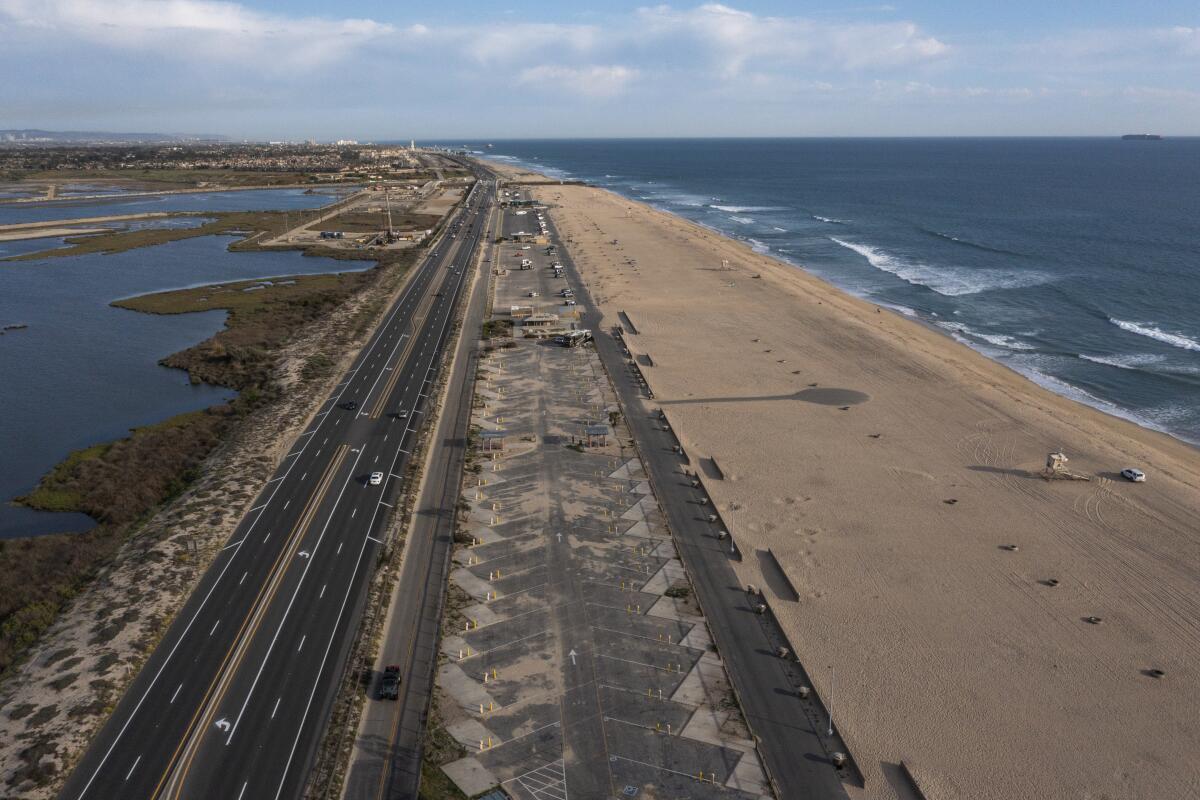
[892,470]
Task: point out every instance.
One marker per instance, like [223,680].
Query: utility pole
[832,688]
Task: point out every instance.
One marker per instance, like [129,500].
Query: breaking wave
[1148,330]
[948,282]
[743,209]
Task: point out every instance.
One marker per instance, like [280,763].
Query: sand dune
[887,467]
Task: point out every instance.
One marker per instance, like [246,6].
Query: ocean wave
[1149,330]
[944,281]
[742,209]
[830,220]
[899,309]
[742,220]
[1003,340]
[1131,361]
[777,228]
[758,247]
[964,333]
[969,243]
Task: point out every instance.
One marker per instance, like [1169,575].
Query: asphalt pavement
[791,740]
[234,700]
[387,757]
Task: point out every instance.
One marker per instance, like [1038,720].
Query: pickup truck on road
[389,685]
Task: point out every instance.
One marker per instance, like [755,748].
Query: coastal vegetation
[120,484]
[270,223]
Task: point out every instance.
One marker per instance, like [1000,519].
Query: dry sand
[951,654]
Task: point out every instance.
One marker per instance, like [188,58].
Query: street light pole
[832,689]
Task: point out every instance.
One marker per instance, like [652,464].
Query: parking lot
[575,661]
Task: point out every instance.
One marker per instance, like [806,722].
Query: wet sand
[890,469]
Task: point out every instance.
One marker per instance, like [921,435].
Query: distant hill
[32,137]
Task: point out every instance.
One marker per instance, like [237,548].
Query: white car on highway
[376,478]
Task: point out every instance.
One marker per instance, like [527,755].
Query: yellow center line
[412,637]
[253,619]
[418,317]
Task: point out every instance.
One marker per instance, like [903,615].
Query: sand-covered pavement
[891,469]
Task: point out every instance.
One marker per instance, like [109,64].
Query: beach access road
[793,743]
[386,760]
[234,700]
[575,661]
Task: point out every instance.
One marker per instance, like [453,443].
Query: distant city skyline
[270,70]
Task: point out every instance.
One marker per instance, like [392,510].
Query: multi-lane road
[235,698]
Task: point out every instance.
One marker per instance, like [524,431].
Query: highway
[234,700]
[387,762]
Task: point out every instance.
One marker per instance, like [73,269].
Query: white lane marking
[276,708]
[302,477]
[389,505]
[136,761]
[325,441]
[265,538]
[373,539]
[303,639]
[308,433]
[376,461]
[244,574]
[243,791]
[208,595]
[281,477]
[322,594]
[288,610]
[214,627]
[235,544]
[329,644]
[353,511]
[175,694]
[285,505]
[264,505]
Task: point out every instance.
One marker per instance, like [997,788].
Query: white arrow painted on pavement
[572,654]
[303,554]
[223,724]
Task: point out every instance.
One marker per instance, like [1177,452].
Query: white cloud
[208,29]
[735,38]
[515,41]
[593,81]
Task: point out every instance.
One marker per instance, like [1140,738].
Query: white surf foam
[1131,361]
[944,281]
[1149,330]
[758,246]
[742,220]
[743,209]
[1001,340]
[830,220]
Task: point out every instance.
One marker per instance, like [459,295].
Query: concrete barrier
[627,322]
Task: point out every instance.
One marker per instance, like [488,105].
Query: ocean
[1076,262]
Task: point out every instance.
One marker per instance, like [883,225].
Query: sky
[371,70]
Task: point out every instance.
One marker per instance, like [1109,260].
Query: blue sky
[268,69]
